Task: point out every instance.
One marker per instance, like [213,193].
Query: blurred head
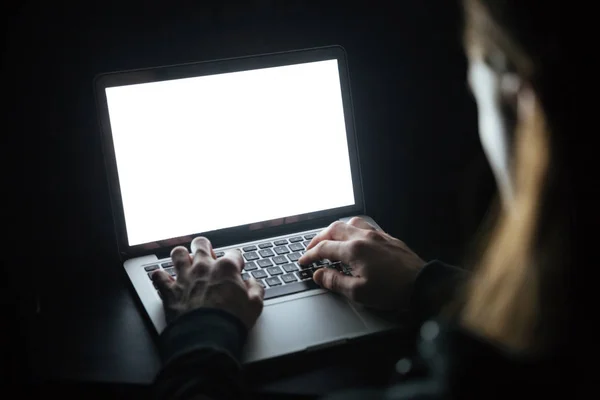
[519,75]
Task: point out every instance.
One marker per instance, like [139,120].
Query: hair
[518,295]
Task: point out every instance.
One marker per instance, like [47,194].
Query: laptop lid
[235,149]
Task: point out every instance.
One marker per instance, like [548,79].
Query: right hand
[383,267]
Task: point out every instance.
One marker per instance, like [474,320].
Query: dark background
[425,176]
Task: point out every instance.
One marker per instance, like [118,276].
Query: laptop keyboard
[274,264]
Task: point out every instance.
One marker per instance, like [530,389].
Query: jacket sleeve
[200,353]
[434,288]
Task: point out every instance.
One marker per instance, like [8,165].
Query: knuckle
[332,280]
[227,263]
[355,221]
[202,251]
[320,248]
[373,236]
[200,268]
[177,290]
[358,247]
[336,225]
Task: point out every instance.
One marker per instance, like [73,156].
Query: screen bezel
[244,232]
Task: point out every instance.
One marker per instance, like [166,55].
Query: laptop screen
[212,152]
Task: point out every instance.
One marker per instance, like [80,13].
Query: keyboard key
[167,264]
[265,245]
[260,274]
[302,266]
[250,266]
[150,275]
[261,283]
[245,277]
[289,278]
[305,274]
[274,271]
[264,263]
[294,256]
[289,267]
[266,253]
[290,288]
[171,271]
[281,250]
[306,243]
[219,254]
[296,247]
[251,256]
[280,242]
[151,267]
[296,239]
[273,281]
[280,260]
[323,262]
[310,236]
[249,248]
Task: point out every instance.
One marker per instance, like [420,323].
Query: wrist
[203,328]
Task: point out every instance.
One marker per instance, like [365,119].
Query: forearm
[200,353]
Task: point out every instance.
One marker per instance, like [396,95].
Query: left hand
[204,281]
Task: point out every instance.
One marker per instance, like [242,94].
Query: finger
[201,248]
[329,249]
[336,231]
[181,260]
[231,264]
[337,282]
[360,223]
[164,283]
[203,255]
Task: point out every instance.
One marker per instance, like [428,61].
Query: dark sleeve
[200,352]
[434,288]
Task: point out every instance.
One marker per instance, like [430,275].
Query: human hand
[204,281]
[383,267]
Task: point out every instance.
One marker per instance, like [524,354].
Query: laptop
[255,153]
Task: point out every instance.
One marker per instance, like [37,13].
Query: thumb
[334,280]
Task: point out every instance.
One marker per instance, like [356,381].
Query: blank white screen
[212,152]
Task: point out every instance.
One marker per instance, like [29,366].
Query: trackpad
[299,324]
